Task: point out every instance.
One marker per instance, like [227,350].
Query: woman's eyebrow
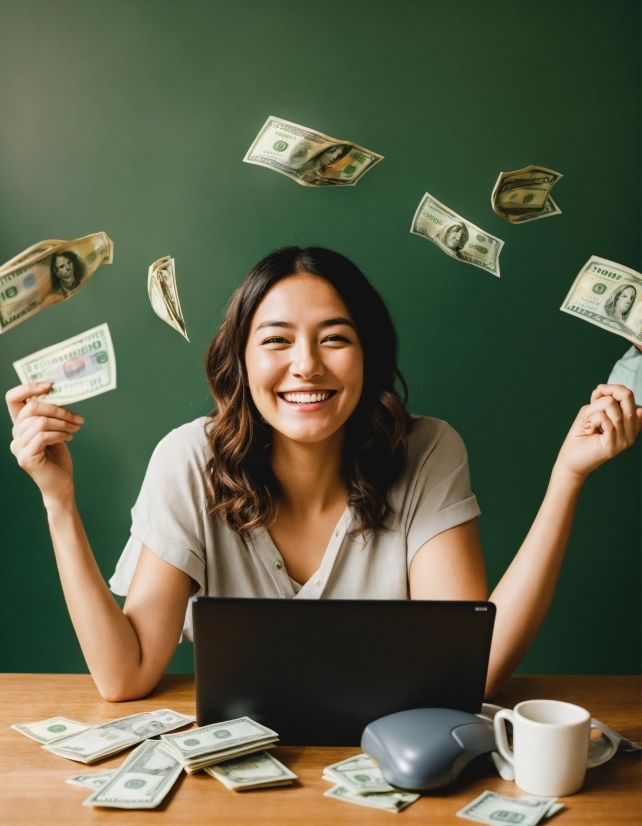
[329,322]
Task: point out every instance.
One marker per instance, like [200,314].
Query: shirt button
[278,564]
[336,533]
[317,582]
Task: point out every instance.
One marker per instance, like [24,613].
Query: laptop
[318,671]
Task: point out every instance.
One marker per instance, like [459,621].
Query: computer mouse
[425,748]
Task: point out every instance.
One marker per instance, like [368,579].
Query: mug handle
[501,740]
[601,754]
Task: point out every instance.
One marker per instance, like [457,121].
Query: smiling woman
[309,480]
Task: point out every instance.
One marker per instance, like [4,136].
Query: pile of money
[455,236]
[493,808]
[217,742]
[79,368]
[163,294]
[359,780]
[252,771]
[309,157]
[101,741]
[141,782]
[524,195]
[608,295]
[47,273]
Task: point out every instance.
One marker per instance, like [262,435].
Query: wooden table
[33,791]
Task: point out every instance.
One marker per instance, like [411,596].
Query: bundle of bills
[455,236]
[359,780]
[163,293]
[309,157]
[493,808]
[252,771]
[217,742]
[608,295]
[98,742]
[47,273]
[524,195]
[141,782]
[79,368]
[48,731]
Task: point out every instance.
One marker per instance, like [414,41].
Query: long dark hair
[244,491]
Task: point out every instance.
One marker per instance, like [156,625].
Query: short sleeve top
[171,517]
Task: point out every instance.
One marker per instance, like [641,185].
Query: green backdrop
[133,117]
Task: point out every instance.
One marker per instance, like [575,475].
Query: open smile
[302,398]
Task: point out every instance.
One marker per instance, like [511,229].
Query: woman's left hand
[602,429]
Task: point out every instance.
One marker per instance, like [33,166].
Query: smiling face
[303,359]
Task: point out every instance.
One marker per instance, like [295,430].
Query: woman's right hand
[40,430]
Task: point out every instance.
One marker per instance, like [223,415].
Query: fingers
[41,408]
[626,401]
[34,424]
[17,396]
[31,453]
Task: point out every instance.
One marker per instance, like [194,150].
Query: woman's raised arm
[523,596]
[126,651]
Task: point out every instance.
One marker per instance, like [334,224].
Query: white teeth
[305,398]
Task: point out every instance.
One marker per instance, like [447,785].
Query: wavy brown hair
[243,489]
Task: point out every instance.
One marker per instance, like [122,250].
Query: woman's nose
[306,362]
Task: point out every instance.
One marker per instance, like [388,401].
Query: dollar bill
[608,295]
[217,742]
[163,294]
[359,774]
[47,273]
[309,157]
[91,781]
[254,771]
[493,808]
[102,741]
[455,236]
[141,782]
[524,195]
[48,731]
[79,368]
[390,802]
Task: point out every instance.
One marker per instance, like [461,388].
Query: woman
[308,480]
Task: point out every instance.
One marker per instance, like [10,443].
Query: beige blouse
[170,517]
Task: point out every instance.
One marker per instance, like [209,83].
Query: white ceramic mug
[550,751]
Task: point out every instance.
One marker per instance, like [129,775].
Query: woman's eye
[275,340]
[336,337]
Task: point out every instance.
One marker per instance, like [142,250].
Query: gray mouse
[426,748]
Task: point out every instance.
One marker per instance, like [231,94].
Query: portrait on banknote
[314,169]
[67,273]
[620,303]
[453,237]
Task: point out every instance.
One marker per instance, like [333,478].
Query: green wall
[132,117]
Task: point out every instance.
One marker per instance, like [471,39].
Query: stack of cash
[217,743]
[102,741]
[493,808]
[359,780]
[252,771]
[141,782]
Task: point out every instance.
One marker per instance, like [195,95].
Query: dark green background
[133,117]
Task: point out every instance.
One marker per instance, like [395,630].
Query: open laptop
[318,671]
